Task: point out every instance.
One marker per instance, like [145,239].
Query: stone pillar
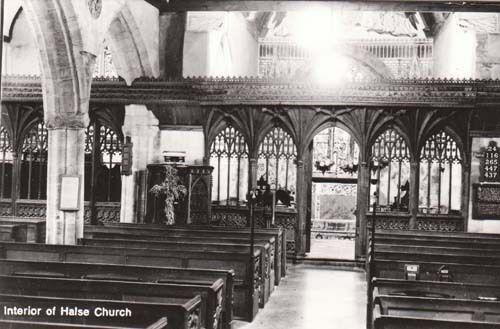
[142,126]
[413,193]
[171,43]
[66,154]
[362,201]
[301,204]
[252,173]
[466,188]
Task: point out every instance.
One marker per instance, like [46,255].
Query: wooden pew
[396,322]
[439,308]
[181,314]
[436,250]
[118,233]
[210,309]
[468,243]
[247,269]
[459,290]
[458,257]
[429,271]
[230,232]
[148,274]
[11,232]
[16,324]
[267,271]
[34,228]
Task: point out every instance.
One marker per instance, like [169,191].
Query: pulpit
[194,208]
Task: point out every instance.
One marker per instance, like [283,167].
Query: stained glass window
[440,175]
[390,172]
[276,162]
[33,175]
[229,157]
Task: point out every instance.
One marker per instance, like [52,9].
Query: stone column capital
[67,120]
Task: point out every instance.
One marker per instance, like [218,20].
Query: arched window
[103,157]
[390,172]
[229,157]
[440,175]
[5,164]
[277,154]
[33,174]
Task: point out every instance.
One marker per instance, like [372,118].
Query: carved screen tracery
[103,163]
[6,163]
[229,157]
[33,174]
[390,172]
[276,162]
[440,175]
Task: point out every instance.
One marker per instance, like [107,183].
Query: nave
[314,296]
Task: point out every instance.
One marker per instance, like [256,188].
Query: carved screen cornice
[257,91]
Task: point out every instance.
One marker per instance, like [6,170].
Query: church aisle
[314,297]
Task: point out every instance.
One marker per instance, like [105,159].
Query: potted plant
[172,189]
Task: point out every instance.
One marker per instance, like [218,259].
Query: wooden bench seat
[16,324]
[396,322]
[180,314]
[128,273]
[246,268]
[34,228]
[439,308]
[203,231]
[210,310]
[469,273]
[458,257]
[435,289]
[267,270]
[472,243]
[110,233]
[436,250]
[11,232]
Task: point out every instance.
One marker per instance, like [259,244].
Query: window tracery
[390,164]
[33,174]
[103,161]
[440,175]
[276,161]
[229,157]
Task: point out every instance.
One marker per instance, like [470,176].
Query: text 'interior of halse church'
[237,164]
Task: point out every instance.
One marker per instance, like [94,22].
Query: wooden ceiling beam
[290,5]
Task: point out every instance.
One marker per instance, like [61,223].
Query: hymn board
[486,204]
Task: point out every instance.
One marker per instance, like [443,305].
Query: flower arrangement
[173,190]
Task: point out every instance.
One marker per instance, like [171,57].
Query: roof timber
[269,5]
[256,91]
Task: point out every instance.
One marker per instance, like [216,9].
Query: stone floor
[314,297]
[332,249]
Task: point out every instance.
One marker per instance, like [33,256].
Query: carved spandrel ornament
[95,8]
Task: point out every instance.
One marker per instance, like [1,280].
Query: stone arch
[130,53]
[65,67]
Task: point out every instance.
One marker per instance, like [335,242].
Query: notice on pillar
[70,190]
